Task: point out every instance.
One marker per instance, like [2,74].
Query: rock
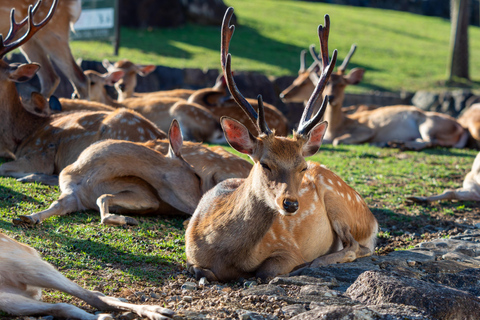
[151,13]
[187,299]
[206,12]
[313,290]
[305,280]
[190,286]
[249,284]
[426,100]
[264,289]
[293,310]
[203,281]
[441,302]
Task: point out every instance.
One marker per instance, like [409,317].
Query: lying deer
[125,87]
[157,183]
[23,274]
[44,144]
[470,120]
[287,212]
[51,44]
[216,99]
[302,87]
[469,192]
[198,124]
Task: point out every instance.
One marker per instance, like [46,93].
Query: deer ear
[315,138]
[23,72]
[238,136]
[107,65]
[112,77]
[145,70]
[38,105]
[175,139]
[355,76]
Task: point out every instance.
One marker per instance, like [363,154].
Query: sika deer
[44,144]
[197,123]
[88,184]
[469,192]
[286,212]
[125,177]
[23,274]
[50,44]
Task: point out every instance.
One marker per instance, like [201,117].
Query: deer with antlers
[166,179]
[44,144]
[287,212]
[51,44]
[23,274]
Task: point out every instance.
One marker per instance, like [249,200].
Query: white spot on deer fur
[37,143]
[330,181]
[302,191]
[272,234]
[339,183]
[348,197]
[359,199]
[315,197]
[140,129]
[124,120]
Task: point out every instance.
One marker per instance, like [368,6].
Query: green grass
[154,251]
[400,51]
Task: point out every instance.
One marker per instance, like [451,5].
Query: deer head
[279,162]
[97,82]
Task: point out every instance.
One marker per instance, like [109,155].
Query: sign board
[98,21]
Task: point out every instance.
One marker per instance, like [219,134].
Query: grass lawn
[113,259]
[400,51]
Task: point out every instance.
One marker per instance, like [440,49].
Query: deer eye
[304,169]
[265,166]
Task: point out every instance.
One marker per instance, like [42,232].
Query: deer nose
[331,98]
[122,87]
[290,205]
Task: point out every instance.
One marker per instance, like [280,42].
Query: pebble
[188,299]
[249,284]
[191,286]
[203,281]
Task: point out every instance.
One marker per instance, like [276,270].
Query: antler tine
[345,62]
[316,60]
[32,29]
[226,60]
[261,123]
[14,27]
[302,61]
[306,122]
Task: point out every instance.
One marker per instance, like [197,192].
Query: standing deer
[287,212]
[50,44]
[23,274]
[44,144]
[469,192]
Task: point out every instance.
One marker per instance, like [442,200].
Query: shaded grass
[399,50]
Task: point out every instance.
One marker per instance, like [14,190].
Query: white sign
[95,19]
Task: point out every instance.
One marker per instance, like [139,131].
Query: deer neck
[16,123]
[110,101]
[335,118]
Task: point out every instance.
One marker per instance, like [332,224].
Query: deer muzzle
[290,205]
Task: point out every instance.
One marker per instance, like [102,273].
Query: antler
[7,45]
[302,61]
[345,62]
[306,122]
[225,58]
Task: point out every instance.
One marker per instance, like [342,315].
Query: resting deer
[470,120]
[23,274]
[50,44]
[302,87]
[197,123]
[469,192]
[44,144]
[156,184]
[125,87]
[287,212]
[216,99]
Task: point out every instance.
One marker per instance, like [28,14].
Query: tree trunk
[458,59]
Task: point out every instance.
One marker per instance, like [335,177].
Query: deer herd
[127,156]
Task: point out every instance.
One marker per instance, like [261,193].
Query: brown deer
[469,192]
[44,144]
[50,44]
[23,274]
[470,120]
[125,87]
[128,177]
[156,184]
[302,87]
[197,123]
[216,99]
[287,212]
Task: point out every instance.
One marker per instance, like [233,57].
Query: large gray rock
[205,12]
[441,302]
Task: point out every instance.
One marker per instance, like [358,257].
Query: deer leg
[65,204]
[459,194]
[274,266]
[47,179]
[137,198]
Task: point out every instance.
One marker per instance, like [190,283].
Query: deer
[42,144]
[288,212]
[126,86]
[197,123]
[302,87]
[216,99]
[167,179]
[51,44]
[470,190]
[23,274]
[470,120]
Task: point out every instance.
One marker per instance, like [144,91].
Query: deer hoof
[416,200]
[24,220]
[131,221]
